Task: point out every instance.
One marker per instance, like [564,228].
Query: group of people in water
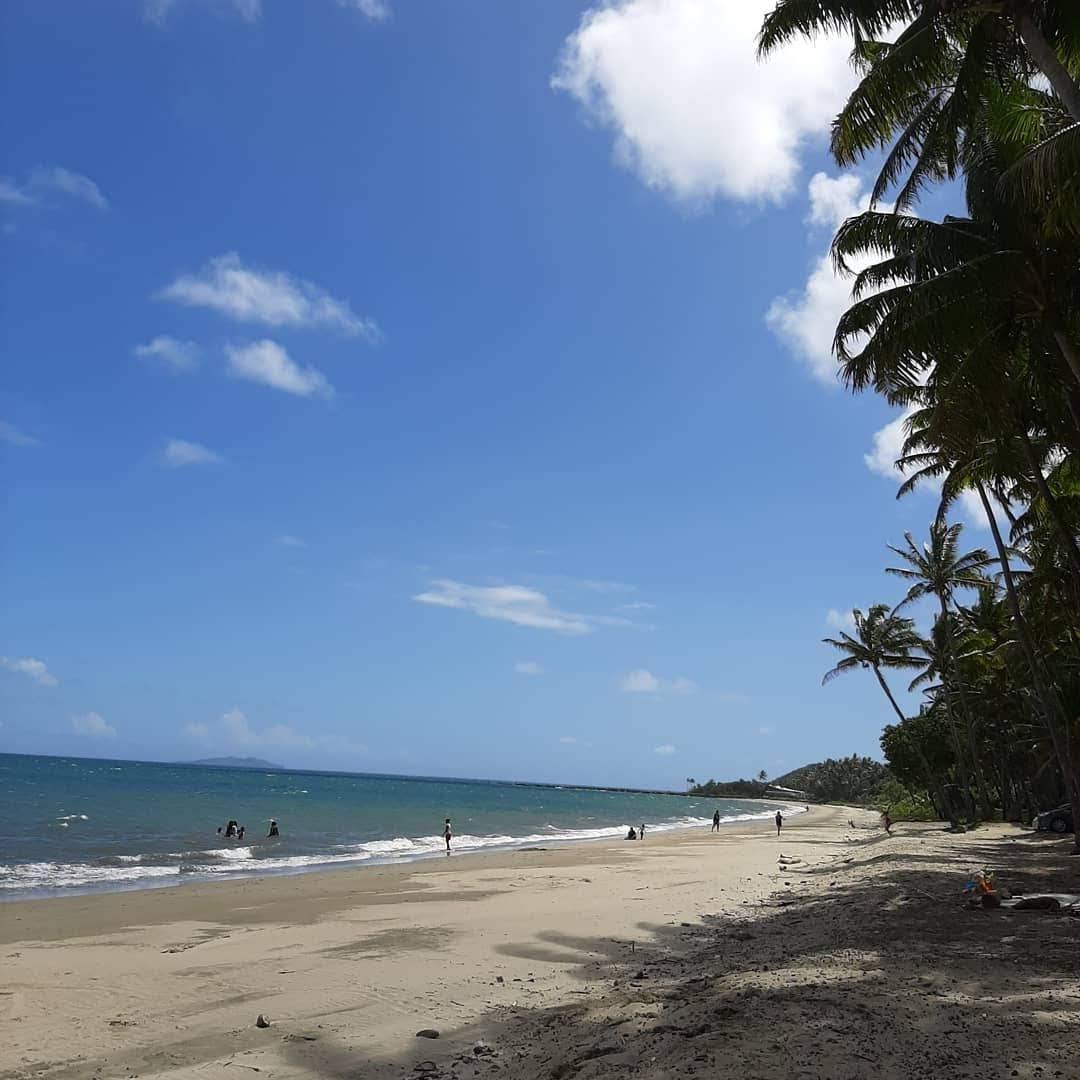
[233,830]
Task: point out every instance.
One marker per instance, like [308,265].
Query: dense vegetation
[972,325]
[850,780]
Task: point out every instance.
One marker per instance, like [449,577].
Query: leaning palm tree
[882,640]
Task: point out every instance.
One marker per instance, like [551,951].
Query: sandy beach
[689,954]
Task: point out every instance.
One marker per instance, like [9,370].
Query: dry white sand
[690,954]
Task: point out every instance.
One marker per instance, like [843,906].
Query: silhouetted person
[273,830]
[779,822]
[447,835]
[716,821]
[240,834]
[631,835]
[641,832]
[230,830]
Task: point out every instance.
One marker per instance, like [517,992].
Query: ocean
[72,825]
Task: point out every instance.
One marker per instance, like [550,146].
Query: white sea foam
[134,869]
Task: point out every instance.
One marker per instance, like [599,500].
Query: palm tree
[936,569]
[882,640]
[970,40]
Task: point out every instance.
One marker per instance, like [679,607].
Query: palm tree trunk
[1068,350]
[1059,736]
[937,792]
[986,805]
[1048,62]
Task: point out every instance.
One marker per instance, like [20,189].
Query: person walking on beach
[779,822]
[447,835]
[716,821]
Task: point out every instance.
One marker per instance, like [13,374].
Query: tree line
[971,324]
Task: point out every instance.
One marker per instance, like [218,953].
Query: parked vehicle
[1060,820]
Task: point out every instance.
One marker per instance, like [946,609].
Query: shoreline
[594,959]
[337,863]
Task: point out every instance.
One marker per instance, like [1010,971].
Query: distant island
[235,763]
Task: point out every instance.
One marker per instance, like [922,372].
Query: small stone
[261,1021]
[427,1033]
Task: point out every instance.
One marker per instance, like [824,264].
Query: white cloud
[31,667]
[240,735]
[643,681]
[517,604]
[594,585]
[156,11]
[639,682]
[694,113]
[93,726]
[806,321]
[268,363]
[376,10]
[55,178]
[839,620]
[287,540]
[665,751]
[51,180]
[197,731]
[568,740]
[13,194]
[180,452]
[528,667]
[176,357]
[9,433]
[765,732]
[251,294]
[637,605]
[833,199]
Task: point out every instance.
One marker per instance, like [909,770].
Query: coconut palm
[882,640]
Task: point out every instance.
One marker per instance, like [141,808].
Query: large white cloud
[251,294]
[268,363]
[694,112]
[239,734]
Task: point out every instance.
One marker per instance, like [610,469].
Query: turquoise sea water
[69,824]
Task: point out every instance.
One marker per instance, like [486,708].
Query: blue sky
[434,388]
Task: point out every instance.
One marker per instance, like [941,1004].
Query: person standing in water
[716,821]
[779,822]
[273,830]
[447,835]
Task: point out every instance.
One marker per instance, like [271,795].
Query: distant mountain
[235,763]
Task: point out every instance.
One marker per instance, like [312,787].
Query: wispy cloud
[568,740]
[666,750]
[288,540]
[10,434]
[251,294]
[528,667]
[266,362]
[636,605]
[47,180]
[839,620]
[606,587]
[157,11]
[31,667]
[375,10]
[93,726]
[180,452]
[517,604]
[174,356]
[237,733]
[643,681]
